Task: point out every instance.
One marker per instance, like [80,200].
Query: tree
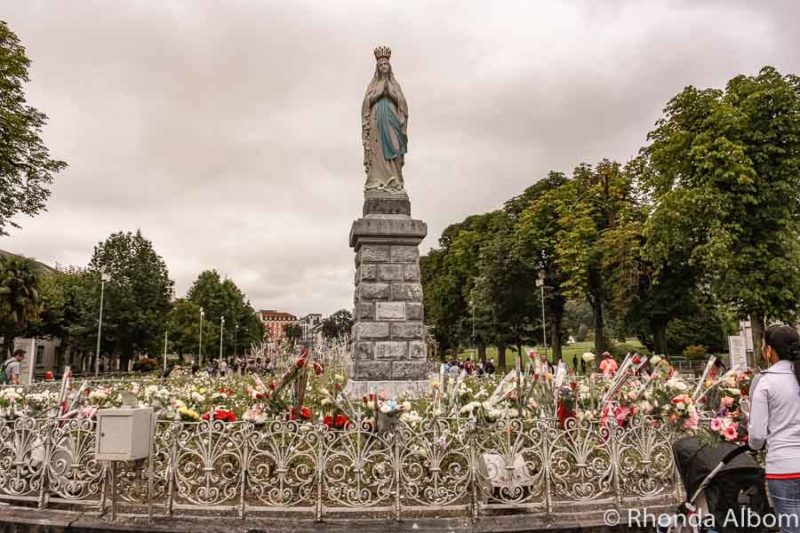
[137,297]
[293,332]
[222,298]
[337,325]
[19,298]
[593,209]
[183,323]
[450,276]
[26,168]
[536,234]
[68,311]
[722,169]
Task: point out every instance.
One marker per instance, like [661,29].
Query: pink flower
[716,424]
[731,432]
[727,401]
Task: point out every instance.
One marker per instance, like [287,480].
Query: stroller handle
[736,452]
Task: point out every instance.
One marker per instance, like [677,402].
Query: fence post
[396,447]
[546,453]
[245,463]
[473,466]
[320,439]
[614,453]
[48,451]
[172,467]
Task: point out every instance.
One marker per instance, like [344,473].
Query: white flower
[655,360]
[469,408]
[676,384]
[197,397]
[587,357]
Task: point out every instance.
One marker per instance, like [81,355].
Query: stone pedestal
[389,350]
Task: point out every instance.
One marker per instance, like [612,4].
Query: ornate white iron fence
[441,465]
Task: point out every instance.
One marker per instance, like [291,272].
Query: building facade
[310,325]
[275,323]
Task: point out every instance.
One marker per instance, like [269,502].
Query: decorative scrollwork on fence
[282,464]
[435,463]
[209,462]
[580,460]
[72,471]
[512,453]
[22,454]
[358,467]
[644,458]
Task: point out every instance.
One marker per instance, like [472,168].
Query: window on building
[40,355]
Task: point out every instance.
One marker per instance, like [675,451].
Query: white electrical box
[123,434]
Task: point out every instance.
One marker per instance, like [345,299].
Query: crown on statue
[383,52]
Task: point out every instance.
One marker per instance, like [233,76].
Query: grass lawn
[568,351]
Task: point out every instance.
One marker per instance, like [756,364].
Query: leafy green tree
[222,298]
[722,169]
[293,332]
[68,311]
[26,168]
[19,298]
[536,234]
[137,297]
[593,208]
[183,322]
[337,325]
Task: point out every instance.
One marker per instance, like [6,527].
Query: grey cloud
[229,131]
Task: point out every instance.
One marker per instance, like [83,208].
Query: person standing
[608,365]
[775,421]
[575,363]
[12,367]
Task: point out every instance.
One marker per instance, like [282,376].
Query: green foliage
[137,297]
[19,297]
[222,298]
[695,352]
[722,170]
[183,323]
[26,168]
[337,325]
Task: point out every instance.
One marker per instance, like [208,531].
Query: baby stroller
[723,486]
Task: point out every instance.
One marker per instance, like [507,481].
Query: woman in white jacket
[775,422]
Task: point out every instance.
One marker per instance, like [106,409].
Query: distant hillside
[41,268]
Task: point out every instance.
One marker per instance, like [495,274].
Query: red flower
[292,414]
[272,385]
[337,386]
[300,363]
[340,422]
[636,360]
[573,385]
[318,369]
[328,420]
[305,413]
[222,414]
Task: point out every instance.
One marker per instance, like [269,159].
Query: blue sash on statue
[388,123]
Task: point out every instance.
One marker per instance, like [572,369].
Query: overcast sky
[229,132]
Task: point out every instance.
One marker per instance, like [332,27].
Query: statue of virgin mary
[384,117]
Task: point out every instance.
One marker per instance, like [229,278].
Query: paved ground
[20,519]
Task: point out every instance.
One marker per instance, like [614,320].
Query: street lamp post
[540,284]
[103,278]
[200,345]
[166,333]
[221,331]
[236,340]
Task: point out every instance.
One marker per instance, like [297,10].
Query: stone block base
[394,389]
